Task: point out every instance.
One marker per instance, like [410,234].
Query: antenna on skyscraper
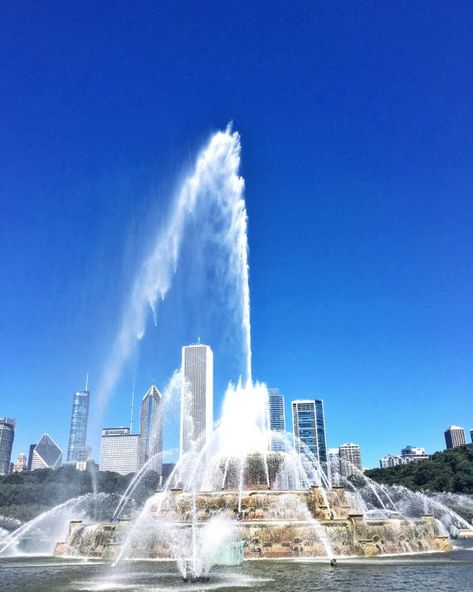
[86,381]
[132,407]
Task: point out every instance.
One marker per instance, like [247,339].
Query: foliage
[28,494]
[451,471]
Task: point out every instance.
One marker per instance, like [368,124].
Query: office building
[119,451]
[196,397]
[277,420]
[30,456]
[454,436]
[21,463]
[77,449]
[7,435]
[151,428]
[471,436]
[308,423]
[350,460]
[46,454]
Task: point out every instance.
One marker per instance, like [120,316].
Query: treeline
[28,494]
[450,471]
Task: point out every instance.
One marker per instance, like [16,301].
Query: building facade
[393,460]
[77,450]
[333,459]
[151,429]
[413,451]
[46,454]
[21,463]
[454,436]
[119,451]
[7,435]
[277,420]
[350,459]
[196,398]
[308,421]
[30,456]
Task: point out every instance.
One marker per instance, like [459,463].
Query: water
[41,534]
[212,194]
[450,572]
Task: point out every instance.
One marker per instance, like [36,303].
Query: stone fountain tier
[270,524]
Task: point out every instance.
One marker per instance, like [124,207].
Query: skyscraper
[7,435]
[119,451]
[151,428]
[30,456]
[196,397]
[46,454]
[471,435]
[455,436]
[308,422]
[77,449]
[277,419]
[350,459]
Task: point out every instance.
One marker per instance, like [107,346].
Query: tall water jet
[214,185]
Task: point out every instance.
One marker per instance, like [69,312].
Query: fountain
[231,497]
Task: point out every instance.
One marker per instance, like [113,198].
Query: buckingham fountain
[239,495]
[233,500]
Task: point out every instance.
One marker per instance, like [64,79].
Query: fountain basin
[266,524]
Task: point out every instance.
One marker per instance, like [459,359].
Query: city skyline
[151,416]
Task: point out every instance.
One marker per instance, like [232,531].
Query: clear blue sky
[357,128]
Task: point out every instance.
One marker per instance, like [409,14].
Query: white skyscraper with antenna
[196,397]
[151,428]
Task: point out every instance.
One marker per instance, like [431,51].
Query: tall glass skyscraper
[7,434]
[151,428]
[196,397]
[77,449]
[308,421]
[277,419]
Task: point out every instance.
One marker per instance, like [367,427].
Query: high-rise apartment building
[119,451]
[196,397]
[350,459]
[454,436]
[77,450]
[7,435]
[277,420]
[151,428]
[308,422]
[46,454]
